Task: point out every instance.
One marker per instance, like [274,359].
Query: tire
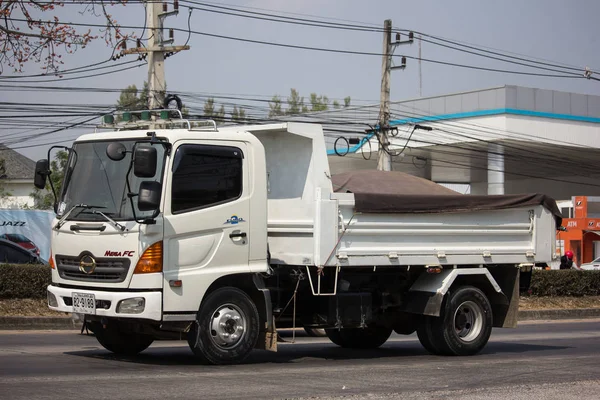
[113,339]
[315,332]
[427,337]
[226,328]
[465,324]
[371,337]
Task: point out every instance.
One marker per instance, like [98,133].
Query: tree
[3,192]
[220,115]
[31,31]
[44,199]
[209,108]
[318,103]
[295,103]
[238,115]
[130,100]
[275,107]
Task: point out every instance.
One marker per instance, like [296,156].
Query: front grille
[110,270]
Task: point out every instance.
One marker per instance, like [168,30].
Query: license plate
[84,303]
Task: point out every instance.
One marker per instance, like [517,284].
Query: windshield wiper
[61,221]
[114,223]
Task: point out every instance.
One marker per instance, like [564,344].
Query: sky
[564,32]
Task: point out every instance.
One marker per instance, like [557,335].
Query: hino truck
[221,236]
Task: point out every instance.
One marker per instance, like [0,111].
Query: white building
[16,179]
[501,140]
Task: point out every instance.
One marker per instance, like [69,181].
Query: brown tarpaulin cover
[397,192]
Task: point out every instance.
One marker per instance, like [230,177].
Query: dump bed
[375,218]
[425,225]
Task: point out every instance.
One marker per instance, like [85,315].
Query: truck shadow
[309,351]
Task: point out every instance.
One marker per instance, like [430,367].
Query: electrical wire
[92,75]
[352,52]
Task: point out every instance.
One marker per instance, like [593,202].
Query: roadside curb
[39,323]
[73,323]
[576,313]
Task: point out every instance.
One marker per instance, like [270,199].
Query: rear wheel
[315,332]
[360,338]
[427,337]
[465,324]
[114,339]
[226,328]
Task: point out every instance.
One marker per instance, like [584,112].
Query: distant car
[591,266]
[22,241]
[12,253]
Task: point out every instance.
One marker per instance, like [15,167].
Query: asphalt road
[551,360]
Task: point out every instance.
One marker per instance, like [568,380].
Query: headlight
[52,301]
[134,305]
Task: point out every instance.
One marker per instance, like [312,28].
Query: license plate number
[84,303]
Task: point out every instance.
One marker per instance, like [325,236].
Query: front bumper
[106,302]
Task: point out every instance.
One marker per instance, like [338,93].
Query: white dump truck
[219,236]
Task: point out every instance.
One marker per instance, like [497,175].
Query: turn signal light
[151,261]
[51,261]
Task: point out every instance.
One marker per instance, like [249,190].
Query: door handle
[237,234]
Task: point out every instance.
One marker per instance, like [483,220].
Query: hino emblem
[87,264]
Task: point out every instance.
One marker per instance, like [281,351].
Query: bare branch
[24,37]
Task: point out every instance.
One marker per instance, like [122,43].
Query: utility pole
[156,12]
[384,156]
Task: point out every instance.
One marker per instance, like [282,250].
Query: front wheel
[465,324]
[370,337]
[226,328]
[114,339]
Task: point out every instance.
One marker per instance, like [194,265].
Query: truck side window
[205,176]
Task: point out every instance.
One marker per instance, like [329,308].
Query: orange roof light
[151,261]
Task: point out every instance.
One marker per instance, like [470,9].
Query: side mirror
[145,160]
[42,170]
[116,151]
[149,196]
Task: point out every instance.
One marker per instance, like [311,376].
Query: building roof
[16,165]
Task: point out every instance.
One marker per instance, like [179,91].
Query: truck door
[206,221]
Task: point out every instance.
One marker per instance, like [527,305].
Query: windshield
[94,179]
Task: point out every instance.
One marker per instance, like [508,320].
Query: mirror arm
[49,172]
[129,193]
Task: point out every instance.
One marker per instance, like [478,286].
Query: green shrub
[30,282]
[24,281]
[568,282]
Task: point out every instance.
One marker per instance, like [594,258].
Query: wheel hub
[468,321]
[228,326]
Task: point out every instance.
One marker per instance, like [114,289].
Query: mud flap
[267,339]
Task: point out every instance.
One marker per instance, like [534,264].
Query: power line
[92,75]
[502,53]
[352,52]
[500,59]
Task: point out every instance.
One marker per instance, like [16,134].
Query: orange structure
[582,236]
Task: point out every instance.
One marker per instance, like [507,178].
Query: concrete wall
[20,194]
